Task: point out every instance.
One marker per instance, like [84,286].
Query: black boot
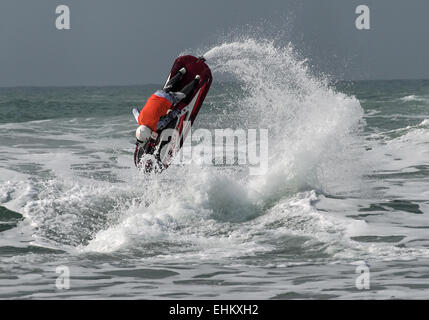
[190,86]
[170,84]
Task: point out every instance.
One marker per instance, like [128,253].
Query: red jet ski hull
[190,107]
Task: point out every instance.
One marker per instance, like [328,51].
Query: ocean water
[347,187]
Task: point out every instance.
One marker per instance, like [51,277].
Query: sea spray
[314,131]
[314,141]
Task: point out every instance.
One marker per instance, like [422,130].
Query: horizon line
[158,84]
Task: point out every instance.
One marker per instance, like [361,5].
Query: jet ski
[172,129]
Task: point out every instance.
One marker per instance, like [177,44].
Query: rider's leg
[190,86]
[170,84]
[186,91]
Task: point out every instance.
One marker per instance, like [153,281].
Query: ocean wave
[313,141]
[411,98]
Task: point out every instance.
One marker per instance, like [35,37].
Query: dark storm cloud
[135,41]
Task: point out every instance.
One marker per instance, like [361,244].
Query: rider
[160,103]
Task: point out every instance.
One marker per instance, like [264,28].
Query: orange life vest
[153,110]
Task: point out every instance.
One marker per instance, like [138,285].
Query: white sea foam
[313,141]
[412,98]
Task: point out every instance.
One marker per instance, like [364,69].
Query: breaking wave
[313,145]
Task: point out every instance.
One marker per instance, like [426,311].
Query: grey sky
[135,41]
